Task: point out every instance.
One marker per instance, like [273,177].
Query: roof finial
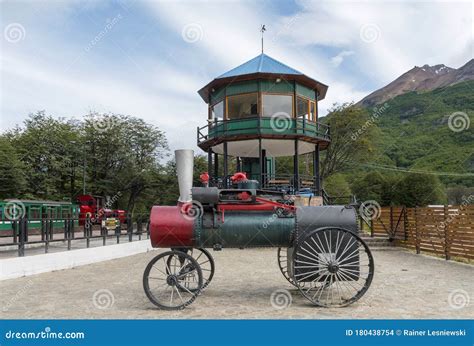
[262,30]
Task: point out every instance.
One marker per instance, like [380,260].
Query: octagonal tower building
[258,112]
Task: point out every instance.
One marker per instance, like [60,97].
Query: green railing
[278,126]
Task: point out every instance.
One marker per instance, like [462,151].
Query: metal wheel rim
[334,278]
[205,261]
[283,265]
[172,287]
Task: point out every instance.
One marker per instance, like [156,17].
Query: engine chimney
[184,171]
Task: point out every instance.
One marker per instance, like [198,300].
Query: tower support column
[296,168]
[209,164]
[216,167]
[260,162]
[316,171]
[226,166]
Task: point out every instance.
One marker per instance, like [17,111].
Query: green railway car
[34,211]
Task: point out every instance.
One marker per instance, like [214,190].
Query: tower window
[306,108]
[302,107]
[273,104]
[242,106]
[217,110]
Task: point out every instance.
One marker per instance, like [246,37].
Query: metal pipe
[184,171]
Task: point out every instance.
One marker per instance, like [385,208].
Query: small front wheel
[172,280]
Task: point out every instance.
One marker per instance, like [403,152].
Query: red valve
[238,177]
[244,196]
[204,178]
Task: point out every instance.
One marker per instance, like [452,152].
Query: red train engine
[97,209]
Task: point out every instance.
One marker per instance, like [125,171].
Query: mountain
[420,79]
[417,132]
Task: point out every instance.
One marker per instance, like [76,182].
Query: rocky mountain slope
[421,79]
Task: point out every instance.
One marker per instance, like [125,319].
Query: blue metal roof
[261,64]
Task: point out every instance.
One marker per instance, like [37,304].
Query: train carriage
[35,210]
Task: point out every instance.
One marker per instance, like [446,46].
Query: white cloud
[338,59]
[315,39]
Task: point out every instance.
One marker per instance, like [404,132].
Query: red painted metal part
[204,178]
[170,227]
[239,176]
[263,205]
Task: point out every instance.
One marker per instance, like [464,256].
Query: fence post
[15,231]
[47,234]
[23,229]
[87,230]
[43,228]
[105,233]
[71,221]
[118,231]
[405,223]
[51,228]
[392,233]
[371,227]
[139,227]
[129,227]
[417,235]
[67,224]
[447,239]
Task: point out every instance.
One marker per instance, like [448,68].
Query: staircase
[378,244]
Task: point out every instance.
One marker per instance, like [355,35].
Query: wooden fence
[447,230]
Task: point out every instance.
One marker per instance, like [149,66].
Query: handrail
[298,126]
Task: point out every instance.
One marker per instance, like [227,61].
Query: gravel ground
[405,286]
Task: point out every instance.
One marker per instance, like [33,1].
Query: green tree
[460,194]
[336,185]
[377,187]
[353,133]
[418,190]
[46,147]
[122,156]
[12,178]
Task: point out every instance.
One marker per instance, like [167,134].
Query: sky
[148,58]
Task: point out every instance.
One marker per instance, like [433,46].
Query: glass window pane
[301,107]
[273,104]
[242,106]
[217,111]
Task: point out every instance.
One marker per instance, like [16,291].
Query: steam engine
[325,258]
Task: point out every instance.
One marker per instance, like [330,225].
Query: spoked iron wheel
[283,265]
[205,261]
[333,267]
[172,280]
